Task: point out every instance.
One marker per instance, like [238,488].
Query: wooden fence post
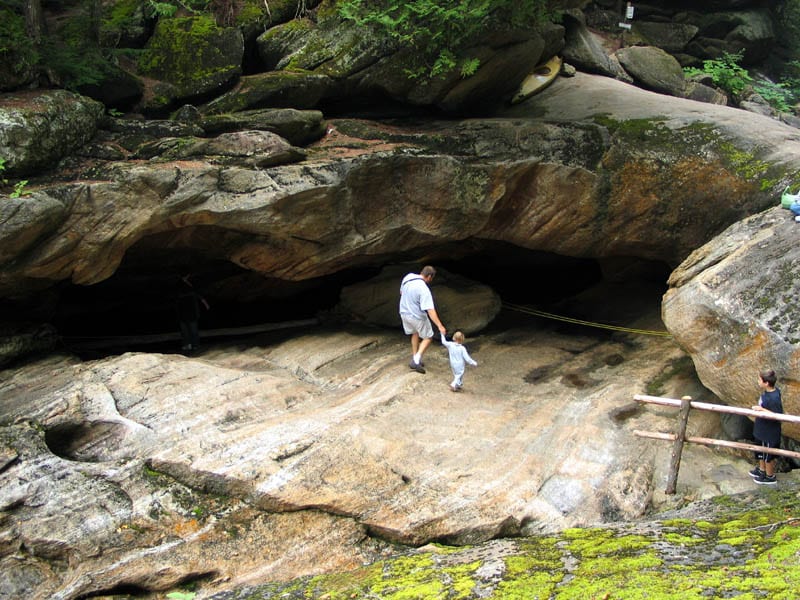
[677,447]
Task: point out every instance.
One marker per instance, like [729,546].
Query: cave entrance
[138,300]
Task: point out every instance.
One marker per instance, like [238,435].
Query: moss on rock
[746,547]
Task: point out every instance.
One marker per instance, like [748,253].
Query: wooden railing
[686,404]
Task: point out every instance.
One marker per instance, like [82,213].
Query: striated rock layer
[641,176]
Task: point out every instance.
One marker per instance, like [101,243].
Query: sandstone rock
[299,127]
[274,89]
[246,148]
[653,69]
[731,307]
[359,65]
[515,179]
[669,36]
[37,129]
[761,108]
[704,93]
[584,51]
[266,461]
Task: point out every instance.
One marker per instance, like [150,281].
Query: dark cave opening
[139,299]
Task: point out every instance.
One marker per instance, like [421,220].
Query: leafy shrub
[725,72]
[16,46]
[777,95]
[74,54]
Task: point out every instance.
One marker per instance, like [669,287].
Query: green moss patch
[745,547]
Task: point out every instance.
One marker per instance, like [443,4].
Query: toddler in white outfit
[459,357]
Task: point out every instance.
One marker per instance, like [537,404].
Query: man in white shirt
[417,311]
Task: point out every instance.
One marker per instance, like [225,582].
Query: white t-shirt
[415,296]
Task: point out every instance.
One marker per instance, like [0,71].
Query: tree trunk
[34,20]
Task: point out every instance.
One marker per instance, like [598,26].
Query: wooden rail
[685,405]
[96,343]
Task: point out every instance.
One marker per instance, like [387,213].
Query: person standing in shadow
[187,305]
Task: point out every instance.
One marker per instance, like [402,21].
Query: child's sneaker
[756,472]
[766,479]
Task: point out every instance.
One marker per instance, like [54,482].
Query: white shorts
[420,326]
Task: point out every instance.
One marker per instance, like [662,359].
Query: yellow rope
[547,315]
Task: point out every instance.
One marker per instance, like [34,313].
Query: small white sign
[625,25]
[629,12]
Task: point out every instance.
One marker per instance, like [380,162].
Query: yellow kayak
[542,76]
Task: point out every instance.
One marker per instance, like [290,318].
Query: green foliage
[161,9]
[435,30]
[778,95]
[725,72]
[155,8]
[225,11]
[74,53]
[16,46]
[469,67]
[19,188]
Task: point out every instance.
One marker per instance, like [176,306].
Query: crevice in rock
[135,590]
[130,590]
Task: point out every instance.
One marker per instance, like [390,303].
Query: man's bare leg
[423,345]
[414,344]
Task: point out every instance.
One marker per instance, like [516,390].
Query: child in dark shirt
[767,432]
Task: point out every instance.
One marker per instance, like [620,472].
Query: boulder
[190,57]
[669,36]
[701,92]
[653,69]
[731,305]
[115,88]
[754,33]
[584,50]
[259,149]
[360,65]
[299,127]
[461,303]
[750,32]
[37,129]
[273,89]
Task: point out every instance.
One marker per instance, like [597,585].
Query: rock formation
[305,451]
[731,305]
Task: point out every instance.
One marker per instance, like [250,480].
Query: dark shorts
[764,454]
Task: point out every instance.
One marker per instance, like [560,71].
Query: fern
[725,72]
